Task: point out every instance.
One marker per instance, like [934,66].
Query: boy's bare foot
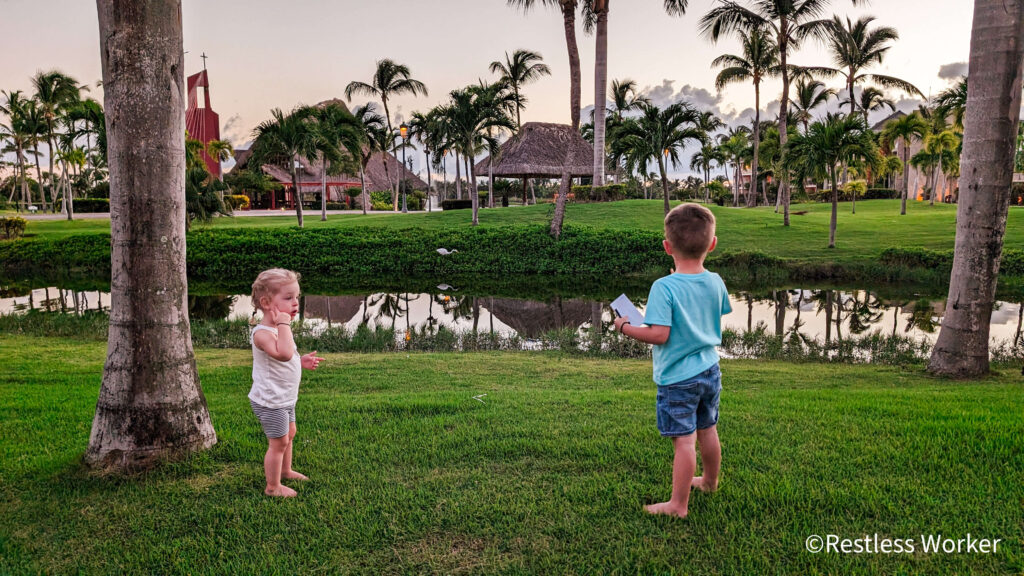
[293,475]
[281,491]
[666,508]
[698,483]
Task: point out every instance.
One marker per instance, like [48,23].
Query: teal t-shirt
[692,305]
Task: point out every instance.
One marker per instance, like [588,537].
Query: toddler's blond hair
[267,284]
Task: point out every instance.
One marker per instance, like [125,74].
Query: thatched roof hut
[335,309]
[542,150]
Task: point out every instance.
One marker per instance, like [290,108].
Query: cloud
[233,131]
[953,70]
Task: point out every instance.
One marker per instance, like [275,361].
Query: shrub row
[456,204]
[83,205]
[1011,264]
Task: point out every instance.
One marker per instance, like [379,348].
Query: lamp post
[404,131]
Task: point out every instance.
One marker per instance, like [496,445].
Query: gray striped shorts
[274,420]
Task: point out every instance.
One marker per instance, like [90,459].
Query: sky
[266,54]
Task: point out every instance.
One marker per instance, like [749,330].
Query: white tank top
[275,384]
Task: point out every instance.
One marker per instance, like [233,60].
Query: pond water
[822,314]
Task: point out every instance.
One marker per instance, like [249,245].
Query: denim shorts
[690,405]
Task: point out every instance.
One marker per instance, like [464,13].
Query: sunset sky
[266,54]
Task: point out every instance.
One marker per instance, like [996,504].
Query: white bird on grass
[446,252]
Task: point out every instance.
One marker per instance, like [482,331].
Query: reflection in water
[823,315]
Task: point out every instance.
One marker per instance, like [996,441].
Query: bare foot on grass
[281,492]
[666,508]
[293,475]
[698,483]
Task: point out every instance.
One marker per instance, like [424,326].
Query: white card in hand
[623,307]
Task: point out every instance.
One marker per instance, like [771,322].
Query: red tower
[202,124]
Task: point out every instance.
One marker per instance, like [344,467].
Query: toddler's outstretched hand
[311,361]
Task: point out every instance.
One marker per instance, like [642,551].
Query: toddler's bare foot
[666,508]
[699,484]
[293,475]
[281,491]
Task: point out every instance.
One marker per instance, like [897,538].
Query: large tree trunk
[39,180]
[993,112]
[906,176]
[150,404]
[752,195]
[783,41]
[364,196]
[68,200]
[600,89]
[569,23]
[563,195]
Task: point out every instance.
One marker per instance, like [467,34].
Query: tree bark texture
[990,131]
[600,89]
[150,403]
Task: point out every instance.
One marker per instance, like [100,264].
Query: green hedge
[1012,263]
[456,204]
[84,205]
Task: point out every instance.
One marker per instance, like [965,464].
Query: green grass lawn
[411,475]
[876,226]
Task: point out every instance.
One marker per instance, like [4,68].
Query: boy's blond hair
[268,283]
[689,228]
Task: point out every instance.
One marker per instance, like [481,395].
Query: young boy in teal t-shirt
[684,322]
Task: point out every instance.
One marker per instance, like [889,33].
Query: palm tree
[871,100]
[360,143]
[422,127]
[150,403]
[599,10]
[990,124]
[518,70]
[810,94]
[760,60]
[471,115]
[389,79]
[283,140]
[661,135]
[790,22]
[733,147]
[953,101]
[19,134]
[825,146]
[702,160]
[220,151]
[333,122]
[905,129]
[854,46]
[568,11]
[937,145]
[55,92]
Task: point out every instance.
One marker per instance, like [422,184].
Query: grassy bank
[862,236]
[412,475]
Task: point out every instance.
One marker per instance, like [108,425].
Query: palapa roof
[880,125]
[338,309]
[309,175]
[542,150]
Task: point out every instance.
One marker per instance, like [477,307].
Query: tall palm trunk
[600,88]
[150,403]
[39,180]
[752,195]
[835,208]
[69,208]
[736,184]
[363,194]
[49,144]
[323,191]
[426,154]
[458,178]
[783,41]
[560,200]
[993,113]
[664,182]
[569,23]
[906,176]
[296,193]
[474,195]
